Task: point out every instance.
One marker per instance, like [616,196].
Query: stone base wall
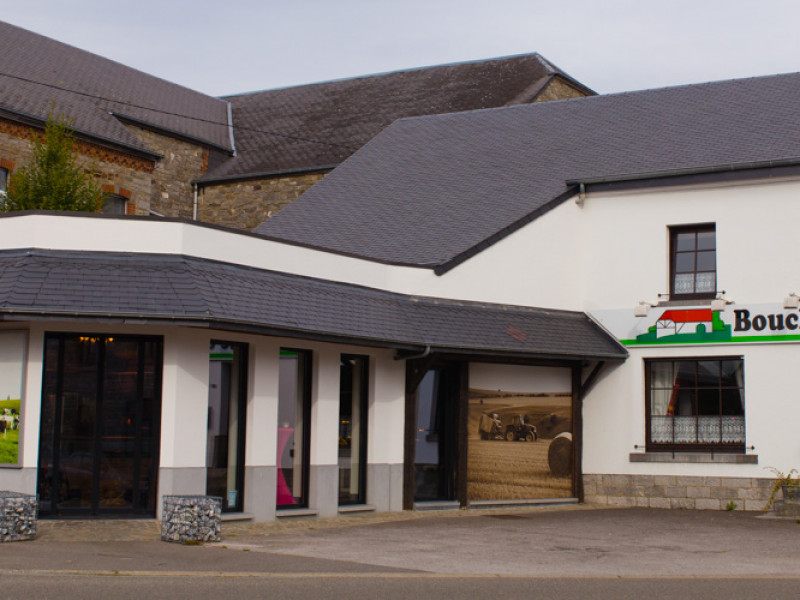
[17,517]
[677,491]
[247,204]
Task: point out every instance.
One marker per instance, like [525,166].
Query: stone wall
[118,173]
[559,89]
[172,193]
[677,491]
[247,204]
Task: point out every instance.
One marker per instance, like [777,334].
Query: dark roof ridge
[109,60]
[597,98]
[545,63]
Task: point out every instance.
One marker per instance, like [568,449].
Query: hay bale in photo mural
[559,455]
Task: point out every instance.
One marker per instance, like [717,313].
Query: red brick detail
[204,168]
[108,189]
[8,165]
[125,193]
[87,149]
[130,208]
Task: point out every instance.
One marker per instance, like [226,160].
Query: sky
[235,46]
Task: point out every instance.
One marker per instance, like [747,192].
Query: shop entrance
[100,427]
[436,440]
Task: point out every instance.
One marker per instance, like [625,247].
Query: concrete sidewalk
[545,542]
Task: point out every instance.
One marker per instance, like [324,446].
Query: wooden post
[577,433]
[462,462]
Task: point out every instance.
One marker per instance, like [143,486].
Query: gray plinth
[17,517]
[191,519]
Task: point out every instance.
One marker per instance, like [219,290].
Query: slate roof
[86,88]
[428,190]
[197,291]
[319,125]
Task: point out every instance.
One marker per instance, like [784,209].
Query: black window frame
[242,366]
[705,446]
[361,498]
[306,365]
[4,173]
[674,252]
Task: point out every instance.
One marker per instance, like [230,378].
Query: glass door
[100,427]
[436,437]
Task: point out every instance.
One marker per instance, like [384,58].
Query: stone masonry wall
[116,172]
[172,193]
[558,89]
[247,204]
[676,491]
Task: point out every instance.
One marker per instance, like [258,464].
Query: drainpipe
[424,353]
[194,204]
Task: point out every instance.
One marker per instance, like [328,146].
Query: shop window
[114,205]
[693,262]
[227,404]
[294,428]
[695,404]
[353,382]
[100,425]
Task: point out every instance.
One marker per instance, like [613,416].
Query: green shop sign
[704,326]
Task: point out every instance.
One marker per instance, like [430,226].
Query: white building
[458,265]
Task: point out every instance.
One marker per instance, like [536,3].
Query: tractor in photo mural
[491,427]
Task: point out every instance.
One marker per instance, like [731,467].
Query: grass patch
[12,404]
[9,448]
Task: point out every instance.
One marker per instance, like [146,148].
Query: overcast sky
[226,47]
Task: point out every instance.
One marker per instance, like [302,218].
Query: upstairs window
[114,205]
[3,182]
[693,262]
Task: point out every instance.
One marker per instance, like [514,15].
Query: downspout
[424,353]
[194,203]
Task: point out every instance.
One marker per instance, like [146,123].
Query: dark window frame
[138,508]
[363,427]
[726,447]
[674,232]
[306,358]
[241,425]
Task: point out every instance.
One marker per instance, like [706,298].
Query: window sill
[296,512]
[355,508]
[694,457]
[685,302]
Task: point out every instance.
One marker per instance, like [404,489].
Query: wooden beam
[577,434]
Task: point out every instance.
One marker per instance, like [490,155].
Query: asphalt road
[529,554]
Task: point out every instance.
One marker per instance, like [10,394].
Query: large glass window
[227,403]
[695,404]
[353,381]
[693,261]
[101,403]
[294,435]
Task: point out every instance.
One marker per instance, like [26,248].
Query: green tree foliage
[53,180]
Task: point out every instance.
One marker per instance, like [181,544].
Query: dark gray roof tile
[320,125]
[428,189]
[37,72]
[59,282]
